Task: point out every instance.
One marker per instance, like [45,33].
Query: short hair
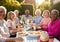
[55,10]
[16,11]
[45,12]
[38,10]
[2,7]
[9,14]
[27,10]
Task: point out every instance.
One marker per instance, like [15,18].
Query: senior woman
[54,27]
[37,19]
[11,16]
[45,20]
[17,19]
[4,31]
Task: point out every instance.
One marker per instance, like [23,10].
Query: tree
[45,6]
[10,4]
[20,1]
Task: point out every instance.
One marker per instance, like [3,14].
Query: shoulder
[8,21]
[49,18]
[43,18]
[59,20]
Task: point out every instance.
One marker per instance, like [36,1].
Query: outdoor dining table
[28,38]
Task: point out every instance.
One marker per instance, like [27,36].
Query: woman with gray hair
[4,31]
[38,17]
[11,16]
[45,20]
[54,26]
[16,19]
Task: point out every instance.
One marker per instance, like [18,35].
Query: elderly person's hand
[20,29]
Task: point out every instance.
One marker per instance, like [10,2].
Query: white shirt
[11,23]
[17,20]
[4,31]
[24,18]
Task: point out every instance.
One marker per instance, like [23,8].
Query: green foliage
[44,6]
[20,1]
[10,4]
[24,7]
[56,6]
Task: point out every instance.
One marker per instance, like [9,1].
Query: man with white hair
[26,16]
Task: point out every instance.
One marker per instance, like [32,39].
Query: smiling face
[26,12]
[2,13]
[46,14]
[38,14]
[12,16]
[54,15]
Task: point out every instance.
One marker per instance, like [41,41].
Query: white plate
[32,34]
[19,34]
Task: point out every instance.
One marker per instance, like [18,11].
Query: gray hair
[54,10]
[27,10]
[16,11]
[45,12]
[9,14]
[37,11]
[2,7]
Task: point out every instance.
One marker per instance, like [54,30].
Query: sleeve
[2,39]
[41,22]
[9,24]
[17,20]
[56,31]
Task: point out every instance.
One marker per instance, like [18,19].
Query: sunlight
[38,2]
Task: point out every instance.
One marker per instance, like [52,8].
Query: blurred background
[32,5]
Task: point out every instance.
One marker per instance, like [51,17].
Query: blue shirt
[37,20]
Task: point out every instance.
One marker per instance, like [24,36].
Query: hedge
[56,6]
[24,7]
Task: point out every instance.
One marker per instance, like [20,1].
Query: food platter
[34,33]
[24,33]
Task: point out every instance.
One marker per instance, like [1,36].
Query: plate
[19,34]
[34,34]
